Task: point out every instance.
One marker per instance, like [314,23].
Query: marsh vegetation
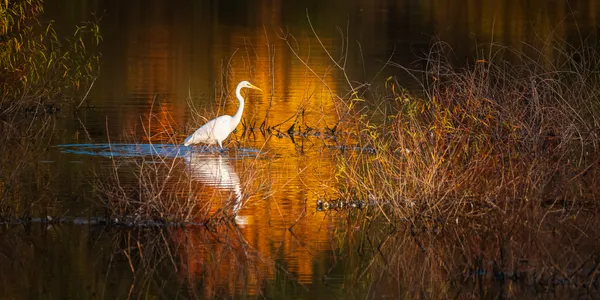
[442,177]
[40,76]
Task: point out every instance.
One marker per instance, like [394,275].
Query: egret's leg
[220,146]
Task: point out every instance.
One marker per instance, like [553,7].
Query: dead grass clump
[146,189]
[24,178]
[153,186]
[491,132]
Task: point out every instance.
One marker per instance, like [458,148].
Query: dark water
[165,63]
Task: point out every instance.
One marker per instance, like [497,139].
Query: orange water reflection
[157,60]
[271,196]
[272,200]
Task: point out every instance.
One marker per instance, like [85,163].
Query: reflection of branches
[222,261]
[491,256]
[146,253]
[24,185]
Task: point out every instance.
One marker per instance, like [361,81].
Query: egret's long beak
[252,86]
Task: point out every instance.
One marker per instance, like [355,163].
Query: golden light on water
[160,62]
[272,196]
[277,219]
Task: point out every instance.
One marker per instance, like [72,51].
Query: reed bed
[483,183]
[490,134]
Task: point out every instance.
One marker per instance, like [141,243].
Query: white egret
[218,129]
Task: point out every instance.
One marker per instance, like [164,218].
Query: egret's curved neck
[238,115]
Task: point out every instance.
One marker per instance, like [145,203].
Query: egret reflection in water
[216,171]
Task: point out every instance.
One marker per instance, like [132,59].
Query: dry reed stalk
[494,132]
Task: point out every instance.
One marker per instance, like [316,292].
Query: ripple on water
[141,150]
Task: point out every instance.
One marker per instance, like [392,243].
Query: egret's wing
[210,132]
[202,134]
[222,128]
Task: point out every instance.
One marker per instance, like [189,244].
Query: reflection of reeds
[223,261]
[531,251]
[196,262]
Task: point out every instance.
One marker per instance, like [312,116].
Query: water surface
[166,66]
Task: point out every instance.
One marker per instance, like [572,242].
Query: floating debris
[340,204]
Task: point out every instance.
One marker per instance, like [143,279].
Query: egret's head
[246,84]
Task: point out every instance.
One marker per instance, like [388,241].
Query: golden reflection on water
[273,204]
[271,196]
[155,55]
[288,86]
[277,192]
[155,62]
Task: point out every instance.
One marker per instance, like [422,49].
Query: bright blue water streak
[141,150]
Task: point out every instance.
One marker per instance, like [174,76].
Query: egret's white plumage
[218,129]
